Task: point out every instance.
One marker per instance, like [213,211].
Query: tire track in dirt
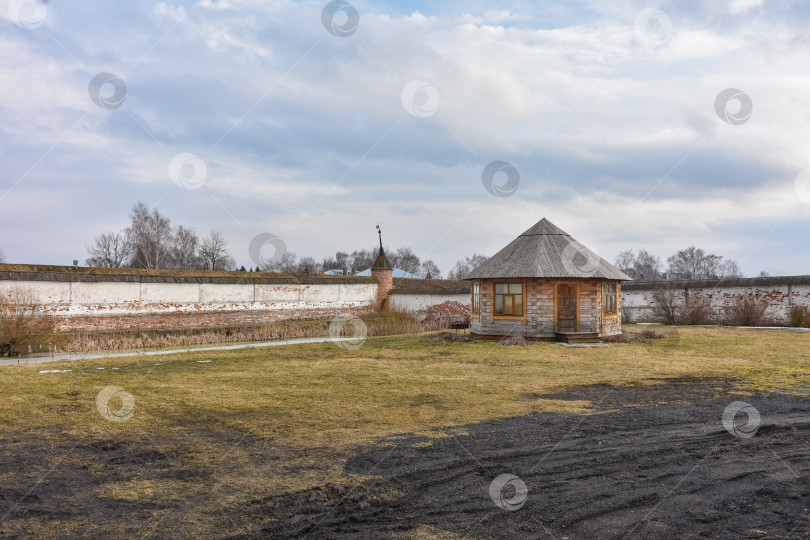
[649,471]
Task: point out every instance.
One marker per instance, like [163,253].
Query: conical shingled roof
[546,251]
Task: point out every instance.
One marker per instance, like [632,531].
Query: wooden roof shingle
[546,251]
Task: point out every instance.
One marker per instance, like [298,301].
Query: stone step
[578,337]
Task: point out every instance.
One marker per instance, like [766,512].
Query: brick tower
[383,273]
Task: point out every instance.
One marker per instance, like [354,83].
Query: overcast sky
[314,122]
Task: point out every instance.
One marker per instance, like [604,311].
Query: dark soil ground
[647,462]
[663,468]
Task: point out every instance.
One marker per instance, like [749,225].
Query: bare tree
[686,264]
[429,270]
[625,261]
[269,266]
[110,250]
[307,265]
[2,259]
[730,269]
[466,265]
[646,267]
[284,264]
[693,263]
[341,261]
[185,251]
[152,237]
[287,262]
[405,259]
[214,253]
[362,259]
[711,266]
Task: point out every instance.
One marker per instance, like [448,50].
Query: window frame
[476,299]
[610,299]
[514,316]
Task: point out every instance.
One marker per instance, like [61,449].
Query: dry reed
[378,323]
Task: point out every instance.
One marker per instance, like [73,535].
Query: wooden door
[566,308]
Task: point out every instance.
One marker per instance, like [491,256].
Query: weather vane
[379,231]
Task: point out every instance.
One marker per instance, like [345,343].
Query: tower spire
[381,261]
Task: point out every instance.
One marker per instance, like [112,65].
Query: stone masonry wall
[780,293]
[144,301]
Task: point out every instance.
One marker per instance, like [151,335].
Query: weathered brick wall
[385,282]
[780,293]
[141,300]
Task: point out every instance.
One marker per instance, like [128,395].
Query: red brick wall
[385,282]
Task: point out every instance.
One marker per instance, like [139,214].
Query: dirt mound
[449,311]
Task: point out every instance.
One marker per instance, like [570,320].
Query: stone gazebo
[545,285]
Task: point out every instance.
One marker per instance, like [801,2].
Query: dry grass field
[230,444]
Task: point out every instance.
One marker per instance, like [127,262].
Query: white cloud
[741,6]
[281,111]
